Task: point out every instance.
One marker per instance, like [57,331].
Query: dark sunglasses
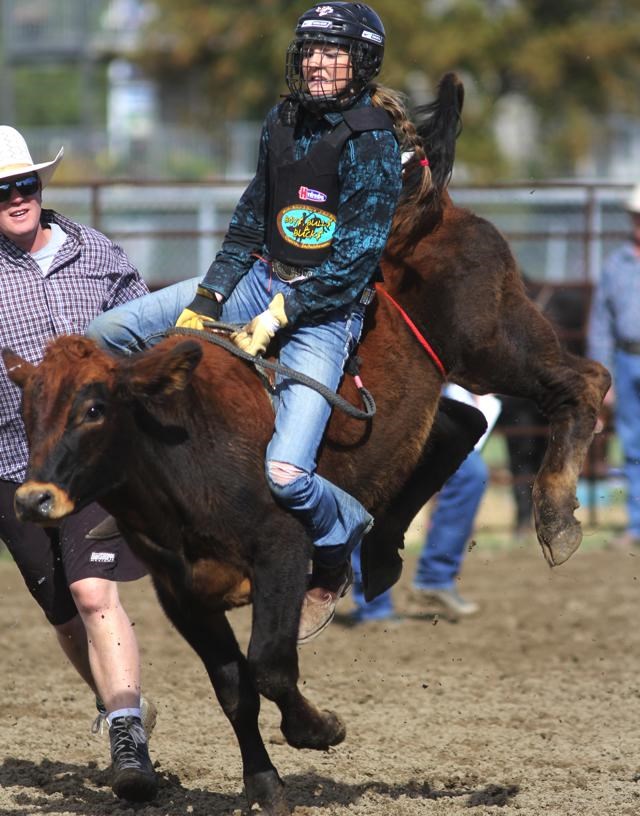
[27,186]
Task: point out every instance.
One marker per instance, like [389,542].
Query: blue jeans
[451,525]
[627,419]
[318,349]
[450,528]
[139,324]
[379,608]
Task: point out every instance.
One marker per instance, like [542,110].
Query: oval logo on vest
[306,227]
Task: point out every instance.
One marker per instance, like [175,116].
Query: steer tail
[437,126]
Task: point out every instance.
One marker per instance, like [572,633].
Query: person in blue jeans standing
[450,528]
[614,340]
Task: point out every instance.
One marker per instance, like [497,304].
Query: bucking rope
[416,332]
[284,371]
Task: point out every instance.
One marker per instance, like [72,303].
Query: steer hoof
[336,729]
[321,732]
[265,794]
[560,547]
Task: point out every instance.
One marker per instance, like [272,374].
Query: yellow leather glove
[256,336]
[205,306]
[190,320]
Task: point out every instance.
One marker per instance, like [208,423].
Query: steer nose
[34,503]
[42,502]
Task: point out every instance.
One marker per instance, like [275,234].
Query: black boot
[133,775]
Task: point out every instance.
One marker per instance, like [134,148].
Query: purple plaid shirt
[88,275]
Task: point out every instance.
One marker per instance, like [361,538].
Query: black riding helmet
[353,26]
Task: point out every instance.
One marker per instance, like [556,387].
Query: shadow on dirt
[54,787]
[323,792]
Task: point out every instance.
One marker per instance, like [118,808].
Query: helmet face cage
[354,28]
[363,68]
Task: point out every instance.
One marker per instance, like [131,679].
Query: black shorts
[52,558]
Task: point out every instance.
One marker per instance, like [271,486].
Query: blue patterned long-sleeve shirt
[615,311]
[370,179]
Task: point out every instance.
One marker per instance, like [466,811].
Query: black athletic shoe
[133,775]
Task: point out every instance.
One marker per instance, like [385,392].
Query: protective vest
[304,194]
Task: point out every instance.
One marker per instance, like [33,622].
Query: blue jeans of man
[319,349]
[379,608]
[627,420]
[451,525]
[450,528]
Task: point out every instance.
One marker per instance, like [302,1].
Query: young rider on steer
[299,257]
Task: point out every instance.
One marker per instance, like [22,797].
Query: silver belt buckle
[288,273]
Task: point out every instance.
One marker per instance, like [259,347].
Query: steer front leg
[279,585]
[212,638]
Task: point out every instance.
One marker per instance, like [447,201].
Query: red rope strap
[416,331]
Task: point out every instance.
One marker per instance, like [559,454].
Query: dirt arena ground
[532,707]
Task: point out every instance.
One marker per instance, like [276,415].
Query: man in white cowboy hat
[614,341]
[55,276]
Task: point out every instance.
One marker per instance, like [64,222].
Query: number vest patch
[304,194]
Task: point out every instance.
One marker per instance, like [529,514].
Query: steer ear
[162,371]
[18,370]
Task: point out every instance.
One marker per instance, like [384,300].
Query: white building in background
[132,111]
[121,22]
[516,128]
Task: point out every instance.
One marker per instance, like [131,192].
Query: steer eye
[94,412]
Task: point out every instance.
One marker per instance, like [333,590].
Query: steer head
[76,406]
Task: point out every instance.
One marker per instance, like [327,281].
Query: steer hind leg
[522,357]
[574,399]
[212,638]
[278,589]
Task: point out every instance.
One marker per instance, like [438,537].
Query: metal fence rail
[171,230]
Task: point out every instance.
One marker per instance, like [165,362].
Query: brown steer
[172,441]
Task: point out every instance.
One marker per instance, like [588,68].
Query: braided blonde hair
[395,104]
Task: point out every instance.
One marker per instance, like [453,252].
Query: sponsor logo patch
[371,35]
[306,227]
[307,194]
[102,558]
[322,10]
[316,24]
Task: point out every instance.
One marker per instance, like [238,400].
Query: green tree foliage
[232,53]
[55,95]
[574,61]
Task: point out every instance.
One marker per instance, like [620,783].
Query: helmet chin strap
[328,104]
